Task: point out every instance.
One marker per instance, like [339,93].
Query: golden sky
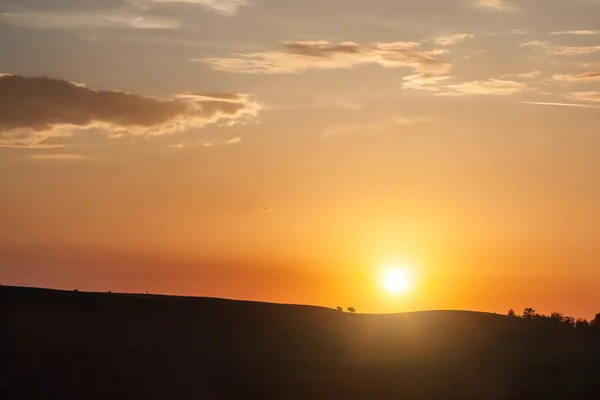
[290,151]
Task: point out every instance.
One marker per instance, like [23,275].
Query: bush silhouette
[340,309]
[351,309]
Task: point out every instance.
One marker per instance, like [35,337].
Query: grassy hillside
[73,345]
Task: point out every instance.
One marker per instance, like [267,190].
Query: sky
[288,151]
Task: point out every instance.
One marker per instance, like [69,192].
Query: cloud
[523,75]
[98,20]
[551,49]
[423,82]
[489,87]
[234,140]
[453,39]
[322,102]
[585,96]
[296,57]
[589,76]
[205,143]
[496,5]
[373,126]
[577,33]
[57,157]
[33,110]
[228,7]
[541,103]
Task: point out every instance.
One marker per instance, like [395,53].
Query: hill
[74,345]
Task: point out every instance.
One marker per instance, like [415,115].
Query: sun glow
[396,280]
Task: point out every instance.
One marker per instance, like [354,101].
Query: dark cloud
[590,75]
[61,5]
[33,110]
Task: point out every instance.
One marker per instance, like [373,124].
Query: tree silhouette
[340,309]
[351,309]
[511,313]
[557,317]
[582,324]
[529,313]
[596,322]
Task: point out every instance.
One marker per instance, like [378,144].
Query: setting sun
[396,281]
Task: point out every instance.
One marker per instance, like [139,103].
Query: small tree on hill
[511,313]
[529,313]
[351,309]
[340,309]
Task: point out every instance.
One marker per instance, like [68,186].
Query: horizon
[345,309]
[390,156]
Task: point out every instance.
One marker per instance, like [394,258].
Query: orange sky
[290,152]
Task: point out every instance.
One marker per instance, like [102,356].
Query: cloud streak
[57,157]
[496,5]
[301,56]
[453,39]
[228,7]
[551,49]
[557,104]
[374,126]
[33,110]
[586,77]
[576,33]
[585,96]
[497,87]
[98,20]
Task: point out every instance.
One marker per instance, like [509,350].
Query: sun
[396,281]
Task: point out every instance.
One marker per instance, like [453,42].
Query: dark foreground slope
[69,345]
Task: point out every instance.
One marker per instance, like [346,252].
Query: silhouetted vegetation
[351,309]
[560,319]
[339,309]
[57,345]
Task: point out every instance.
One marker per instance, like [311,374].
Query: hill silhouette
[75,345]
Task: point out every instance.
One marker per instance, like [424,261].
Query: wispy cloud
[454,39]
[589,76]
[318,103]
[523,75]
[35,109]
[423,82]
[99,20]
[498,87]
[576,33]
[234,140]
[585,96]
[374,126]
[296,57]
[552,49]
[574,105]
[205,143]
[496,5]
[57,157]
[228,7]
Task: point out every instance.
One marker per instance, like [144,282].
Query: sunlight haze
[285,151]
